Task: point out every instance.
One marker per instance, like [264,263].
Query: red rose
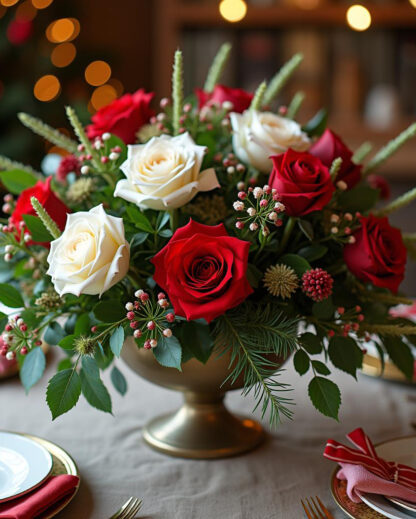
[43,192]
[123,117]
[380,183]
[378,254]
[203,271]
[328,148]
[240,99]
[302,181]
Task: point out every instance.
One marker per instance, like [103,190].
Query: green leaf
[325,396]
[324,310]
[114,141]
[37,229]
[360,198]
[63,392]
[118,380]
[69,325]
[316,126]
[10,297]
[117,341]
[401,354]
[109,311]
[168,352]
[301,362]
[320,367]
[30,318]
[90,367]
[311,343]
[95,392]
[306,227]
[166,233]
[139,219]
[54,334]
[82,325]
[296,262]
[33,367]
[138,239]
[345,354]
[196,339]
[17,180]
[67,343]
[313,252]
[162,220]
[103,356]
[64,364]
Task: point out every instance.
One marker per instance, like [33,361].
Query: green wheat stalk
[177,91]
[47,132]
[7,164]
[257,101]
[82,136]
[295,105]
[217,67]
[45,218]
[399,203]
[362,152]
[335,167]
[281,78]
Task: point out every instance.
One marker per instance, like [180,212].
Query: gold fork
[317,511]
[129,509]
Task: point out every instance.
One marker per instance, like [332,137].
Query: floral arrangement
[219,224]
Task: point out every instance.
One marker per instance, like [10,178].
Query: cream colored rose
[165,173]
[258,135]
[91,255]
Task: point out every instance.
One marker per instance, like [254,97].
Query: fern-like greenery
[254,334]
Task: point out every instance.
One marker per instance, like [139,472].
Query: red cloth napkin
[367,472]
[42,498]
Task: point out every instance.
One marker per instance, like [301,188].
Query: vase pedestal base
[203,428]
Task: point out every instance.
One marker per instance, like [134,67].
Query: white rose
[91,255]
[165,173]
[258,135]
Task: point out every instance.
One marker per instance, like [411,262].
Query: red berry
[38,343]
[104,159]
[147,345]
[94,329]
[317,284]
[161,295]
[23,327]
[130,316]
[331,333]
[8,327]
[134,324]
[136,305]
[144,297]
[23,350]
[170,317]
[151,325]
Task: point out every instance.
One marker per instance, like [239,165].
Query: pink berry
[89,157]
[104,159]
[358,308]
[137,334]
[38,343]
[264,203]
[239,225]
[147,345]
[23,327]
[360,317]
[341,310]
[170,317]
[23,350]
[317,284]
[167,332]
[136,305]
[331,333]
[134,324]
[130,316]
[144,297]
[161,295]
[94,329]
[151,325]
[8,327]
[242,195]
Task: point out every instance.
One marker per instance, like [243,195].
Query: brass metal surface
[373,368]
[202,428]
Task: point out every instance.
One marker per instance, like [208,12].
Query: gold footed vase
[202,428]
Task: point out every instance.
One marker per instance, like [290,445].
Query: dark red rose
[380,183]
[43,192]
[378,254]
[240,99]
[203,271]
[123,117]
[328,148]
[302,181]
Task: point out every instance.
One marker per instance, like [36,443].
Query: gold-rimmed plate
[62,464]
[372,367]
[362,510]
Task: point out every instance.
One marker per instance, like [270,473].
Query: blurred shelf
[207,15]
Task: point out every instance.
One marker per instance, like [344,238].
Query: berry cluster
[231,164]
[349,321]
[16,337]
[342,225]
[14,239]
[263,207]
[107,156]
[149,319]
[317,284]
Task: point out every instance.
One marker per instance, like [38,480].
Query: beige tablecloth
[267,483]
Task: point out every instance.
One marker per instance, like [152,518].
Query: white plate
[402,450]
[24,465]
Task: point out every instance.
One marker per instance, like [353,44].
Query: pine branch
[257,101]
[399,203]
[389,299]
[47,132]
[254,334]
[8,165]
[177,91]
[295,105]
[362,152]
[281,78]
[217,67]
[390,148]
[335,167]
[45,217]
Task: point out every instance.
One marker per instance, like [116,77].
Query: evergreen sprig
[217,67]
[281,78]
[252,334]
[7,164]
[47,132]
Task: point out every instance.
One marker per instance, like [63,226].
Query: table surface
[267,483]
